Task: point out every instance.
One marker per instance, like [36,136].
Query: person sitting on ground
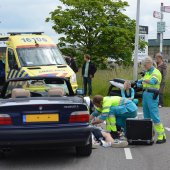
[128,92]
[115,110]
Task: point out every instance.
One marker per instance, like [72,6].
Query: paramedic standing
[151,84]
[162,67]
[88,71]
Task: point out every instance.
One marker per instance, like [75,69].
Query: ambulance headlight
[73,78]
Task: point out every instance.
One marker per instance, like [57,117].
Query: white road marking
[168,129]
[128,153]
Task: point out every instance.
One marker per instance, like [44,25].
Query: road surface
[155,157]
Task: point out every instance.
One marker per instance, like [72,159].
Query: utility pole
[161,34]
[135,67]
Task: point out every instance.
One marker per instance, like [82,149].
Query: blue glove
[139,85]
[139,81]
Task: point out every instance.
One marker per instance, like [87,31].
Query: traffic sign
[157,15]
[166,9]
[160,27]
[143,29]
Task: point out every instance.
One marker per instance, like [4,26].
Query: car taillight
[79,117]
[5,119]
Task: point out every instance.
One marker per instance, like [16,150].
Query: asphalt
[155,157]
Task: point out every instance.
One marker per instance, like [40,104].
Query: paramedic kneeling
[115,110]
[151,84]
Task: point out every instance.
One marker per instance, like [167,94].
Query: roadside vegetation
[102,77]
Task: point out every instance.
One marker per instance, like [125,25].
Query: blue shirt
[132,95]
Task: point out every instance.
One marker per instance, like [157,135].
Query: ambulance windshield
[41,56]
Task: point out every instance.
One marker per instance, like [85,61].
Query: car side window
[11,59]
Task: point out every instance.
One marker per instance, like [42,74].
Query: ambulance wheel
[84,150]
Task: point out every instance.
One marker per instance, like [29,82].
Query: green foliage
[96,27]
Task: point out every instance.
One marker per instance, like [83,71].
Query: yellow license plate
[41,118]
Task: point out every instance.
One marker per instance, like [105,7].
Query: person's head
[127,85]
[98,100]
[159,58]
[87,57]
[148,63]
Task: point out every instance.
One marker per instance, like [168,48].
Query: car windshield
[37,88]
[40,56]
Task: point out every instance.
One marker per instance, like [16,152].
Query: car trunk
[42,112]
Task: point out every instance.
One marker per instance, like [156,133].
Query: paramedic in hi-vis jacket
[151,84]
[115,110]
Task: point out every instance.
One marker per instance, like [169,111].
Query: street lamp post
[135,69]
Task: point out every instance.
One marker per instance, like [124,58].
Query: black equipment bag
[139,131]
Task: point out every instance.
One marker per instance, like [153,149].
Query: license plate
[32,118]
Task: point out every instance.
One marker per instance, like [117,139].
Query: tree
[96,27]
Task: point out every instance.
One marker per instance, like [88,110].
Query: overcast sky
[29,15]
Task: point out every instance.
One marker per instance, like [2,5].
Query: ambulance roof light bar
[19,33]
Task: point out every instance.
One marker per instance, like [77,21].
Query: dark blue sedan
[41,112]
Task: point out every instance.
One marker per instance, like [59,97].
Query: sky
[30,15]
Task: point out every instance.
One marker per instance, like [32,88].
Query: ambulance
[35,54]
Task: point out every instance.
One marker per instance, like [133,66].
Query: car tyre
[84,150]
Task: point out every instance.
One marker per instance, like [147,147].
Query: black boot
[161,141]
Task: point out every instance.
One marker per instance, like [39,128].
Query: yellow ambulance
[35,54]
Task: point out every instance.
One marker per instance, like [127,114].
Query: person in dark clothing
[88,71]
[68,60]
[162,67]
[72,63]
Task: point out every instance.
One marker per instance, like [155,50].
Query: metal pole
[135,69]
[161,34]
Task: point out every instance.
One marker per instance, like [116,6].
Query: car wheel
[85,150]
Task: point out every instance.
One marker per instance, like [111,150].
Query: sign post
[157,15]
[161,24]
[143,35]
[166,9]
